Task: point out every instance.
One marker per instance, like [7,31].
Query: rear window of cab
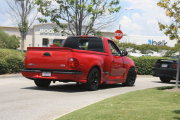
[85,43]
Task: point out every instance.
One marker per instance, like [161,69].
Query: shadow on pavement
[71,88]
[172,82]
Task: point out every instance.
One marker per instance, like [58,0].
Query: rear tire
[165,79]
[131,77]
[42,83]
[93,79]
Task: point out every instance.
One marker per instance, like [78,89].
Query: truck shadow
[70,88]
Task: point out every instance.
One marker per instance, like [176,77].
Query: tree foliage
[8,41]
[81,16]
[172,8]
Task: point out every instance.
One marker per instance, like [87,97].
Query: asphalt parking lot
[22,100]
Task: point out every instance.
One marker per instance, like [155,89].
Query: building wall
[46,31]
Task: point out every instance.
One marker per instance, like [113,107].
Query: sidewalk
[10,75]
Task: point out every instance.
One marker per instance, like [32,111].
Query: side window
[114,49]
[96,44]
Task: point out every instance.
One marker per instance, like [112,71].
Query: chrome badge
[31,64]
[62,65]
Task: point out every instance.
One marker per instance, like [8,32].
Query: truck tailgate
[47,58]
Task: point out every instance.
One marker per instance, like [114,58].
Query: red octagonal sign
[118,34]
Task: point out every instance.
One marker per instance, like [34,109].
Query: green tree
[21,12]
[8,41]
[81,16]
[173,11]
[172,30]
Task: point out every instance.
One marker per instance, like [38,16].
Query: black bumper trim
[59,72]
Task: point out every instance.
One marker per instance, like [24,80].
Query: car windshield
[87,43]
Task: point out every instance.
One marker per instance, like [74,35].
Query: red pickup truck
[83,59]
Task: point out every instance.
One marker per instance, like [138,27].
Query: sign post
[118,34]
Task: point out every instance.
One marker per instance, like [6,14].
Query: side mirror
[124,53]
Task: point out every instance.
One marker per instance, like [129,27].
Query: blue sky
[137,17]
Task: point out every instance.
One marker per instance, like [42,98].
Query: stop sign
[118,34]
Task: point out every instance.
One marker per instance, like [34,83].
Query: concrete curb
[144,76]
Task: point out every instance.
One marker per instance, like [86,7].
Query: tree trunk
[178,72]
[22,42]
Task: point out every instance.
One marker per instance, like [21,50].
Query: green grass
[150,104]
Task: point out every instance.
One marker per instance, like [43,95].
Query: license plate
[46,74]
[164,65]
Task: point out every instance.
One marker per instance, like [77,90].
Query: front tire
[165,79]
[42,83]
[93,79]
[131,77]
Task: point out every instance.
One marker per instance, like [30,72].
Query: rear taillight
[174,66]
[73,63]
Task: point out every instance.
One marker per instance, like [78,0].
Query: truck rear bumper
[55,75]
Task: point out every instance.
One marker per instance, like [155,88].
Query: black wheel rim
[94,78]
[132,77]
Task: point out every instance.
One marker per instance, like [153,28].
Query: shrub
[8,41]
[144,64]
[11,61]
[15,64]
[3,66]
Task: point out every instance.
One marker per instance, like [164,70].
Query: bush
[3,66]
[8,41]
[15,64]
[11,61]
[144,64]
